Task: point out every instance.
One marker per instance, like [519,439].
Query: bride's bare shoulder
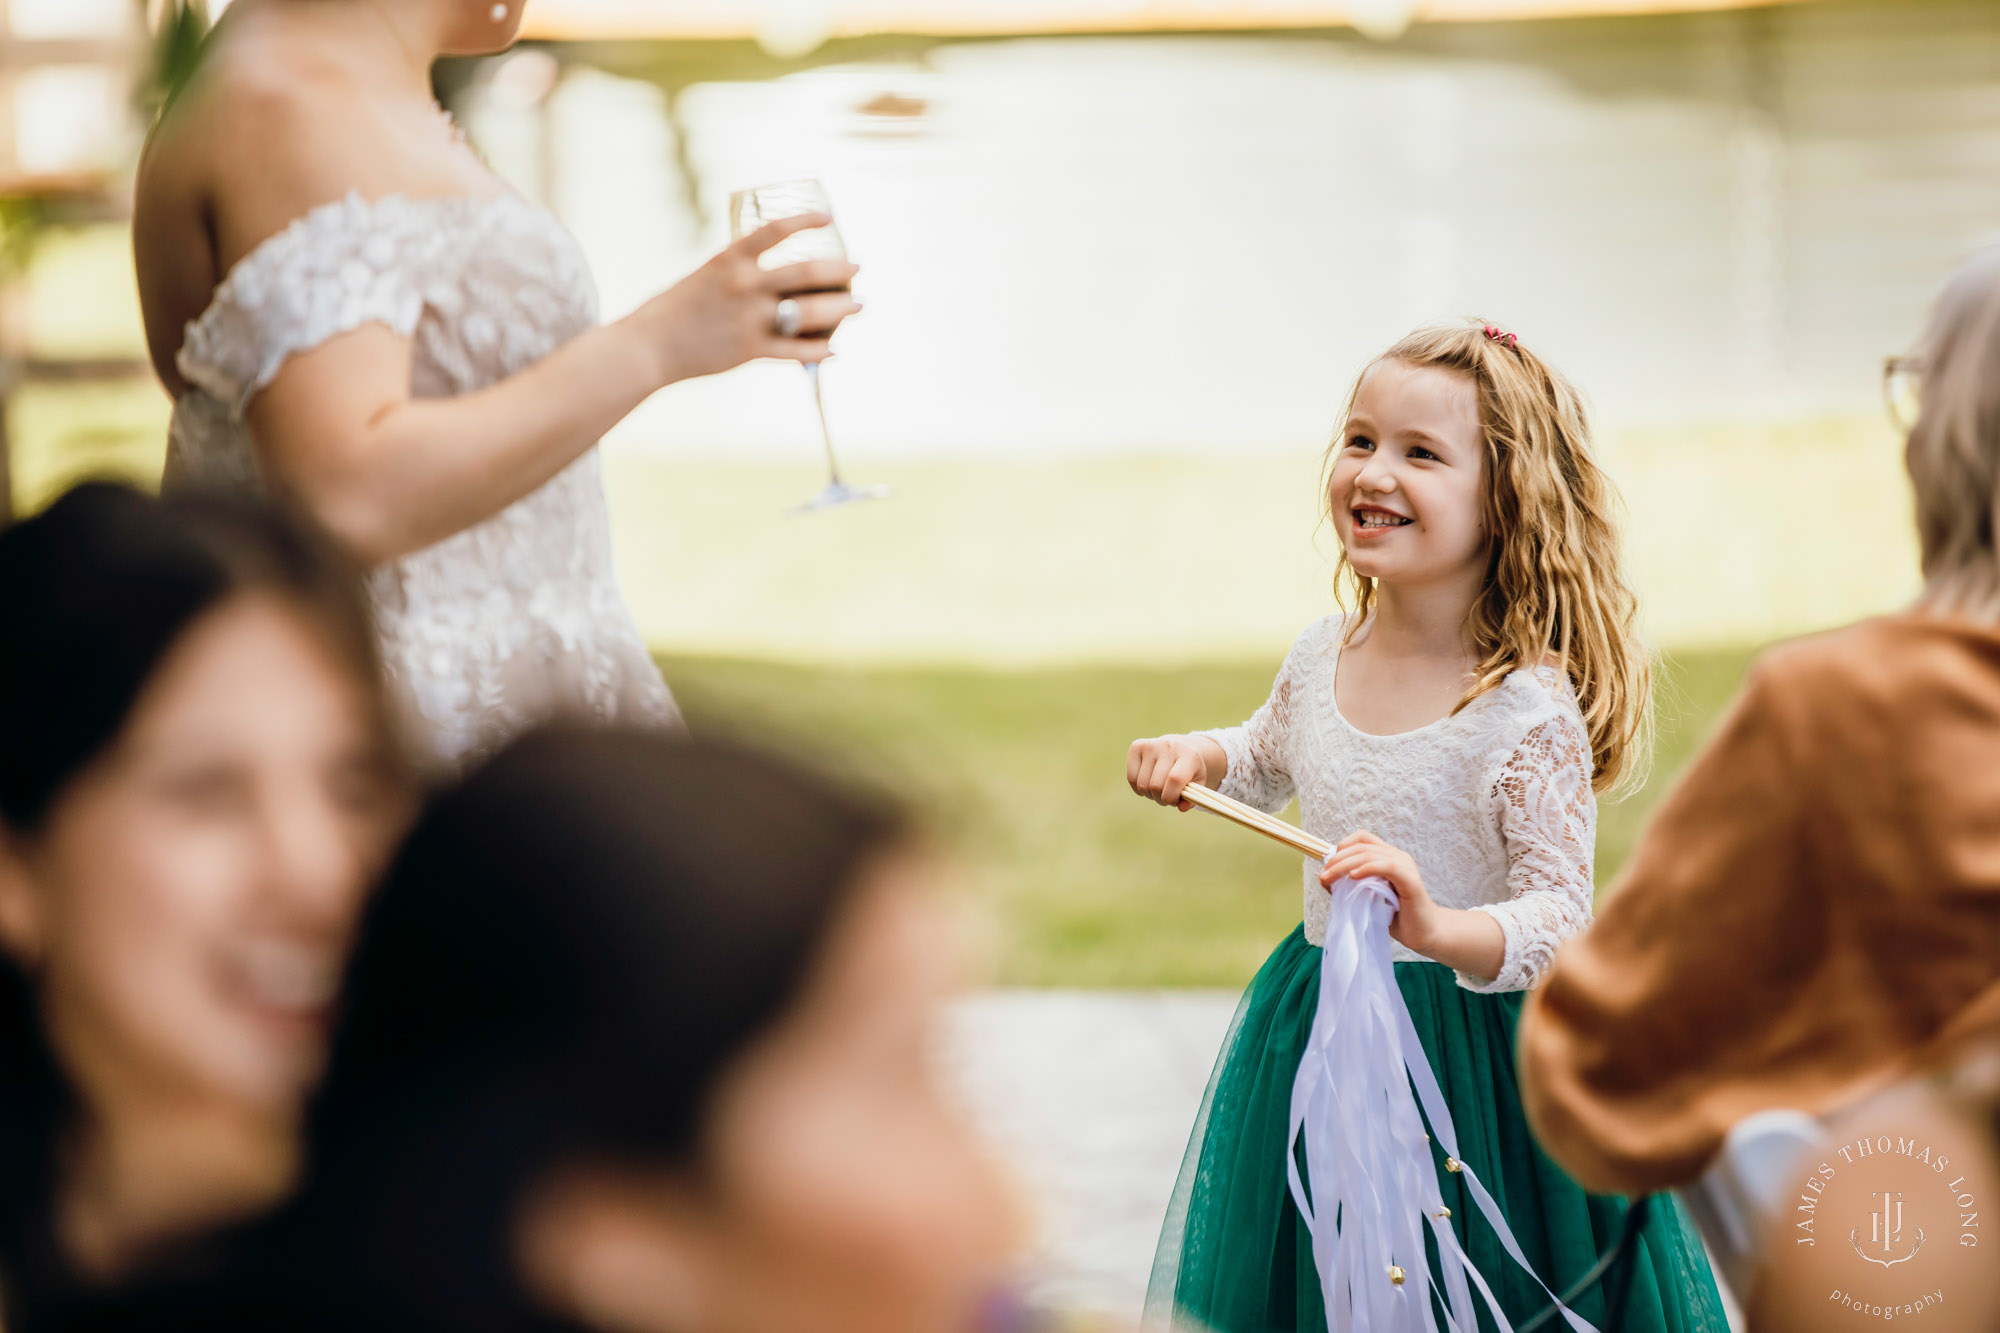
[261,114]
[262,132]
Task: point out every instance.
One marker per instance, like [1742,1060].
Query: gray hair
[1953,452]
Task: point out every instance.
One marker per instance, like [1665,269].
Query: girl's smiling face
[1407,486]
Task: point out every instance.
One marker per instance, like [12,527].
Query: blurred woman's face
[840,1190]
[186,908]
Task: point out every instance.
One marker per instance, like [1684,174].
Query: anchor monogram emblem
[1885,1232]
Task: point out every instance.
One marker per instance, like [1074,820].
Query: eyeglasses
[1902,390]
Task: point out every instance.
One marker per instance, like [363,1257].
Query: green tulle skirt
[1235,1256]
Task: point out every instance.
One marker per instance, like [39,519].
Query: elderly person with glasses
[1815,909]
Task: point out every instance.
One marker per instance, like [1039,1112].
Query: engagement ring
[789,318]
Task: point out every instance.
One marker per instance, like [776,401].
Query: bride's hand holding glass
[726,312]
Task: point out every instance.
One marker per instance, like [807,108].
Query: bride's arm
[388,473]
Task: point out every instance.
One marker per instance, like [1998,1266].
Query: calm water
[1191,244]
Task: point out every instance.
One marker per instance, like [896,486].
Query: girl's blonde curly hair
[1554,585]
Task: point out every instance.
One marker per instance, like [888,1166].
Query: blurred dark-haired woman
[197,784]
[637,1036]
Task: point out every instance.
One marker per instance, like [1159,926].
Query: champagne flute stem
[825,431]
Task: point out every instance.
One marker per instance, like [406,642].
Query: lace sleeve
[1259,751]
[341,266]
[1548,818]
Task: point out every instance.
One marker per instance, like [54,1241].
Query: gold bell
[1395,1275]
[1444,1213]
[1451,1165]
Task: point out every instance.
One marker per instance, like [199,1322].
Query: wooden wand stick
[1257,821]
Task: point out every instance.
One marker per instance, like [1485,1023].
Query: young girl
[1451,733]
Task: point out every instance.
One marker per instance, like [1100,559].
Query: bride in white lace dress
[351,311]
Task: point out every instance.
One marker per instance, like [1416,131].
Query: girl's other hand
[726,312]
[1161,768]
[1360,855]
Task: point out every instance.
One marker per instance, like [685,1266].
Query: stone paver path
[1090,1095]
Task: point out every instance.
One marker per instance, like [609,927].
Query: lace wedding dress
[517,619]
[1493,803]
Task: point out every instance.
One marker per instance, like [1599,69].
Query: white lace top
[1493,803]
[517,619]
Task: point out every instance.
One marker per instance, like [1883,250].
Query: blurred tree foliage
[183,27]
[180,28]
[23,219]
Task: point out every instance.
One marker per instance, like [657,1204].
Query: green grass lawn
[1023,570]
[1018,762]
[1019,765]
[1038,563]
[1021,776]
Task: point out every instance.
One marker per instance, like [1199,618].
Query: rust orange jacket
[1813,909]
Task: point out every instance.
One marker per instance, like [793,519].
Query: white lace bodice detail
[1493,803]
[517,619]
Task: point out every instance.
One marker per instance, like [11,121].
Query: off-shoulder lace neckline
[261,253]
[516,619]
[1543,674]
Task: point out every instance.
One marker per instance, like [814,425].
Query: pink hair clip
[1500,335]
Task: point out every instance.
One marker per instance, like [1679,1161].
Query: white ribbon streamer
[1373,1183]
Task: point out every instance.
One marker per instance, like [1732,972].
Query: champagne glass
[751,209]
